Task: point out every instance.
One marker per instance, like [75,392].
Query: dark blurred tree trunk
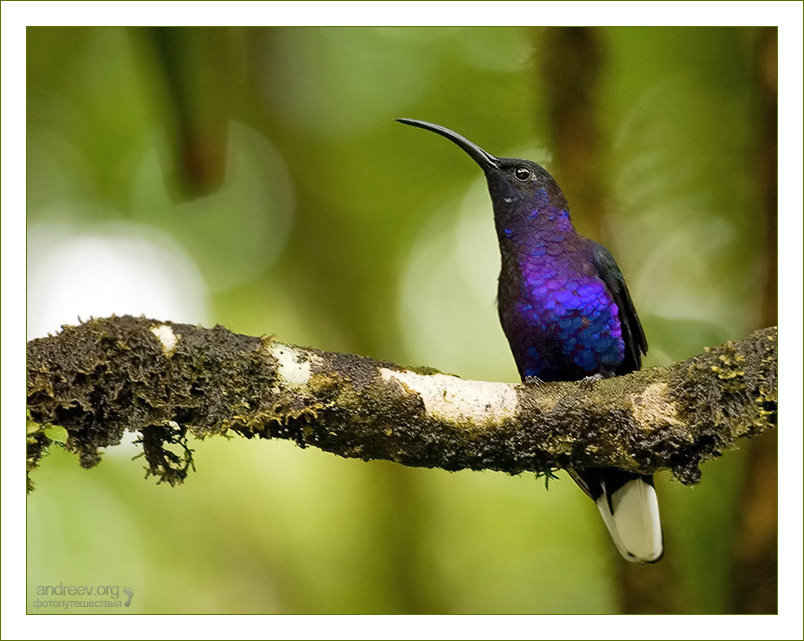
[765,77]
[572,63]
[755,571]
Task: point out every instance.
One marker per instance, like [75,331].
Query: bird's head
[517,187]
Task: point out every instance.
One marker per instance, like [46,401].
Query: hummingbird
[568,316]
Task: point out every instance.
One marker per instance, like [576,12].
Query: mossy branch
[167,381]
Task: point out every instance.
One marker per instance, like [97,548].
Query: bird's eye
[522,173]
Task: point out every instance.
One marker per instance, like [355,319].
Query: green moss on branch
[166,381]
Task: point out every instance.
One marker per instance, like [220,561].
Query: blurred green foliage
[270,156]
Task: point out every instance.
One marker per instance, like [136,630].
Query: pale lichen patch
[654,407]
[456,400]
[292,367]
[167,337]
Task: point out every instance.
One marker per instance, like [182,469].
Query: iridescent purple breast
[560,318]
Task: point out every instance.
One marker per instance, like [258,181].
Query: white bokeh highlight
[98,271]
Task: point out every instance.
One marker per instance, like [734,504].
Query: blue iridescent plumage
[561,318]
[567,314]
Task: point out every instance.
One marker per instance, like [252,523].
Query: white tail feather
[632,517]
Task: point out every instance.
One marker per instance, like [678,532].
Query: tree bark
[755,572]
[166,381]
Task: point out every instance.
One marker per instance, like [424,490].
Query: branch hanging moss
[167,381]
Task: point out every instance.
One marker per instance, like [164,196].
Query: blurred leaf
[56,433]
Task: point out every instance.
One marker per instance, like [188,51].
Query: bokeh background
[255,177]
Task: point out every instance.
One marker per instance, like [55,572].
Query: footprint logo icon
[130,593]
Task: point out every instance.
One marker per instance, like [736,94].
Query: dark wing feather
[634,337]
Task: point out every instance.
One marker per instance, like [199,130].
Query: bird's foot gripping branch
[90,384]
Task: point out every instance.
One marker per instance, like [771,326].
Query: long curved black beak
[481,157]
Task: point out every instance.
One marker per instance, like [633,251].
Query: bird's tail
[628,505]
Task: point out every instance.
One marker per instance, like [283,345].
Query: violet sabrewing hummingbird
[568,316]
